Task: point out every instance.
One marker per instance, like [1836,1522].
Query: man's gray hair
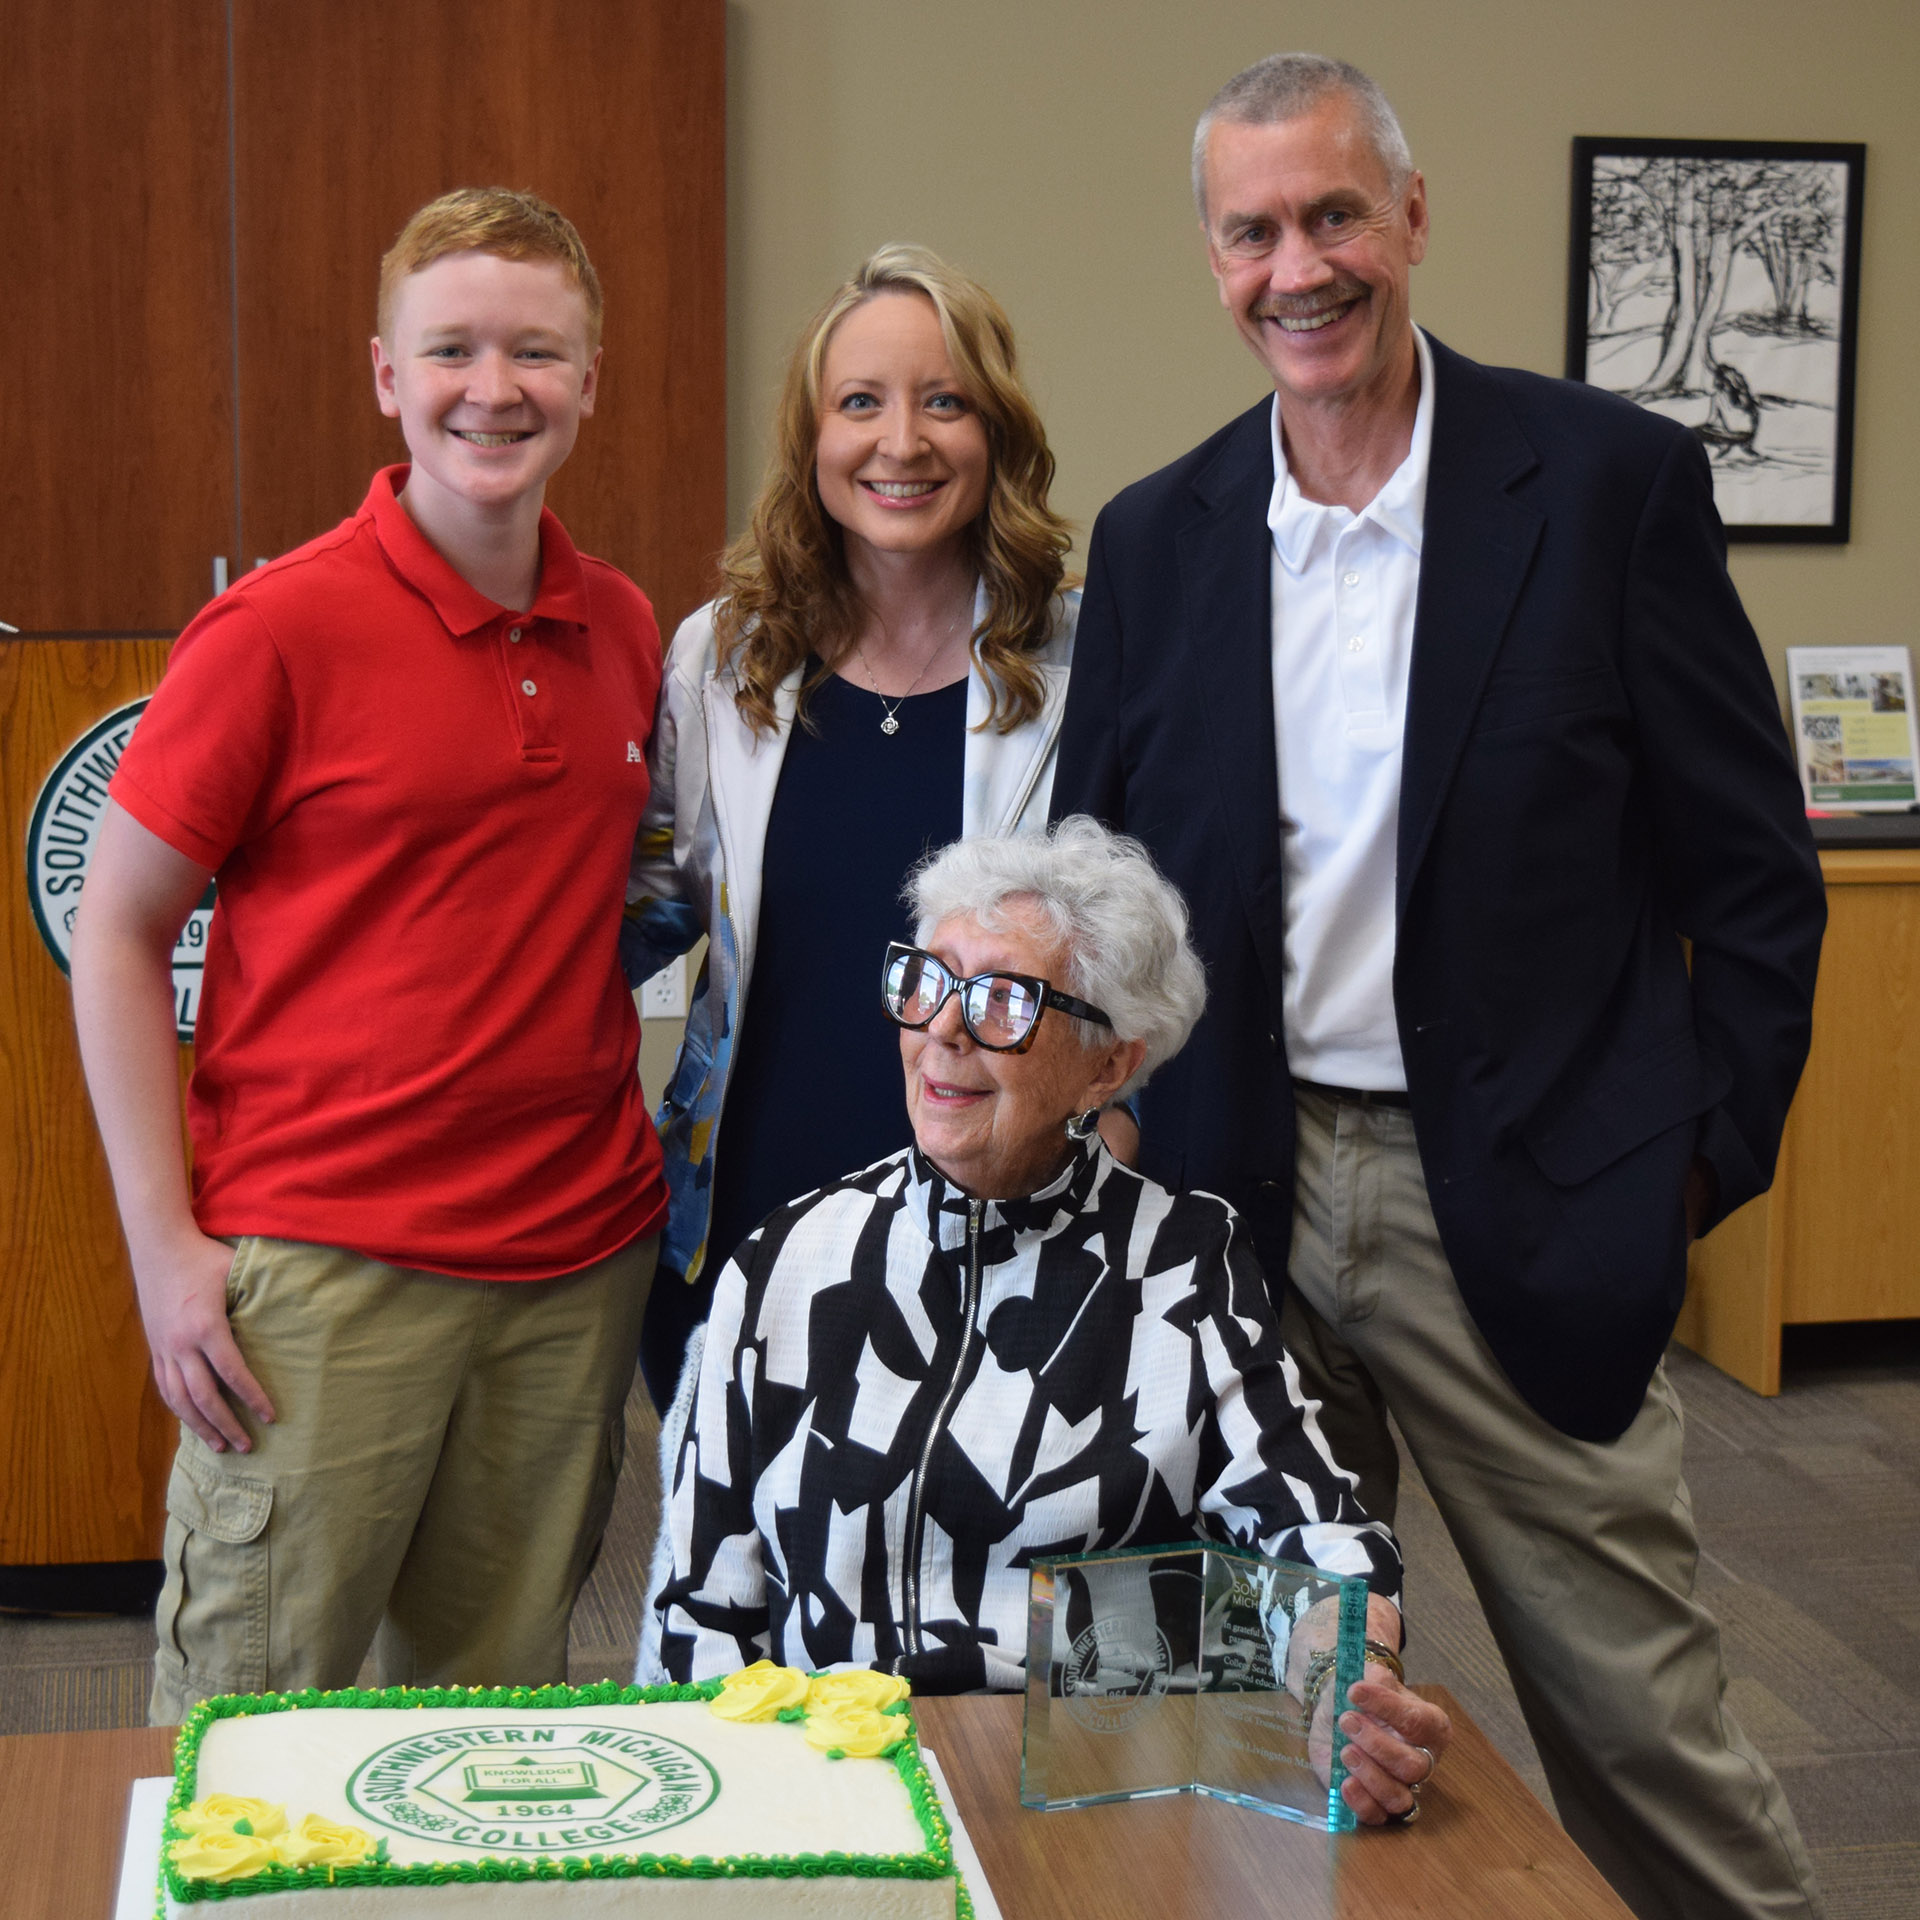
[1120,921]
[1283,86]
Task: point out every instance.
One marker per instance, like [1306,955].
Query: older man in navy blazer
[1426,682]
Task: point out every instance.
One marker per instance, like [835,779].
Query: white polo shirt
[1344,587]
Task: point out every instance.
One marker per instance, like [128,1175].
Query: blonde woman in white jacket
[883,672]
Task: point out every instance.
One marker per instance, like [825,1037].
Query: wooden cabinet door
[349,116]
[117,488]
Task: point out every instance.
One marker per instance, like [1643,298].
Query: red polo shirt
[414,1040]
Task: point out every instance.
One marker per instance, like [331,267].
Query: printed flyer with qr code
[1853,727]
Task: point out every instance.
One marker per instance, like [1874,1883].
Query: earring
[1084,1125]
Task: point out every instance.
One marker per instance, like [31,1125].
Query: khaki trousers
[1583,1555]
[435,1485]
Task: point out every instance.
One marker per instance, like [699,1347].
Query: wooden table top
[1484,1848]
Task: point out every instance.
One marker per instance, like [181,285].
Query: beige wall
[1042,145]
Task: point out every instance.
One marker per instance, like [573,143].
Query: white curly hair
[1120,922]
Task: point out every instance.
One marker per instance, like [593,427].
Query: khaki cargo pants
[435,1485]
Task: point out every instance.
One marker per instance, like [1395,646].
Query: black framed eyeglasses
[1000,1010]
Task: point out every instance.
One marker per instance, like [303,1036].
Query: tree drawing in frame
[1717,282]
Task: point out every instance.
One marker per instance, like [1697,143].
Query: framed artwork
[1718,282]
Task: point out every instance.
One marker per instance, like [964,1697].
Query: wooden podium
[85,1437]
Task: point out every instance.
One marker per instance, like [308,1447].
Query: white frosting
[526,1783]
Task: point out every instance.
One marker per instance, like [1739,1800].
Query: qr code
[1821,726]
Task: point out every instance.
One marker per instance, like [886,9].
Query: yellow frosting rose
[218,1853]
[862,1733]
[759,1692]
[320,1843]
[830,1692]
[264,1818]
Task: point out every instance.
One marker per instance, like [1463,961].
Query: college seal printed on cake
[61,837]
[533,1788]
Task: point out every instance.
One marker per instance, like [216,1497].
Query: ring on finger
[1433,1767]
[1408,1818]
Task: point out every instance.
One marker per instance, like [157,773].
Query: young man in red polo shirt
[397,1314]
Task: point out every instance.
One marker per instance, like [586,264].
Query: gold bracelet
[1321,1667]
[1380,1651]
[1319,1672]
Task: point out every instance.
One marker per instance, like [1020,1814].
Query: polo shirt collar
[462,607]
[1398,509]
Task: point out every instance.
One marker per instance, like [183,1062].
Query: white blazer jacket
[696,866]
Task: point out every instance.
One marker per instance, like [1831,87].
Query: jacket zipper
[916,1503]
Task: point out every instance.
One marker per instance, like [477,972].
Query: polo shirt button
[527,686]
[515,634]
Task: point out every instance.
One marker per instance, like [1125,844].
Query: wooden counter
[1838,1236]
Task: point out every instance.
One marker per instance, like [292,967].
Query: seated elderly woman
[1000,1342]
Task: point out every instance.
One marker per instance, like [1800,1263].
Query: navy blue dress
[816,1089]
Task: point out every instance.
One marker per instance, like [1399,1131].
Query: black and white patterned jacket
[907,1394]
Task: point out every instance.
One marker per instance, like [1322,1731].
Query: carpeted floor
[1809,1515]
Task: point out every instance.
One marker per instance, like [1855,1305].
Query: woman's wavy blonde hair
[785,589]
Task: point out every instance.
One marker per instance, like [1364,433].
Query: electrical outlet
[664,997]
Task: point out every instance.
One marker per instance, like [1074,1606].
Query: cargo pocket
[211,1622]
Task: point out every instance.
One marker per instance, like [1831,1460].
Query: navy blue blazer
[1594,774]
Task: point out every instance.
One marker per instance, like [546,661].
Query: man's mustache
[1304,306]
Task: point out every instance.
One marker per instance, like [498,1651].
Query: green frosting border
[935,1863]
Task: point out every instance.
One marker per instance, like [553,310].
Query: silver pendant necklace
[890,723]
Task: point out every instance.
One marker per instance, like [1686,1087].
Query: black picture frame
[1723,289]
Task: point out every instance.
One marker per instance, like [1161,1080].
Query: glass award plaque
[1189,1669]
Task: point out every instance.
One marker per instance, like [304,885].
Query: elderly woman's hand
[1392,1738]
[1394,1741]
